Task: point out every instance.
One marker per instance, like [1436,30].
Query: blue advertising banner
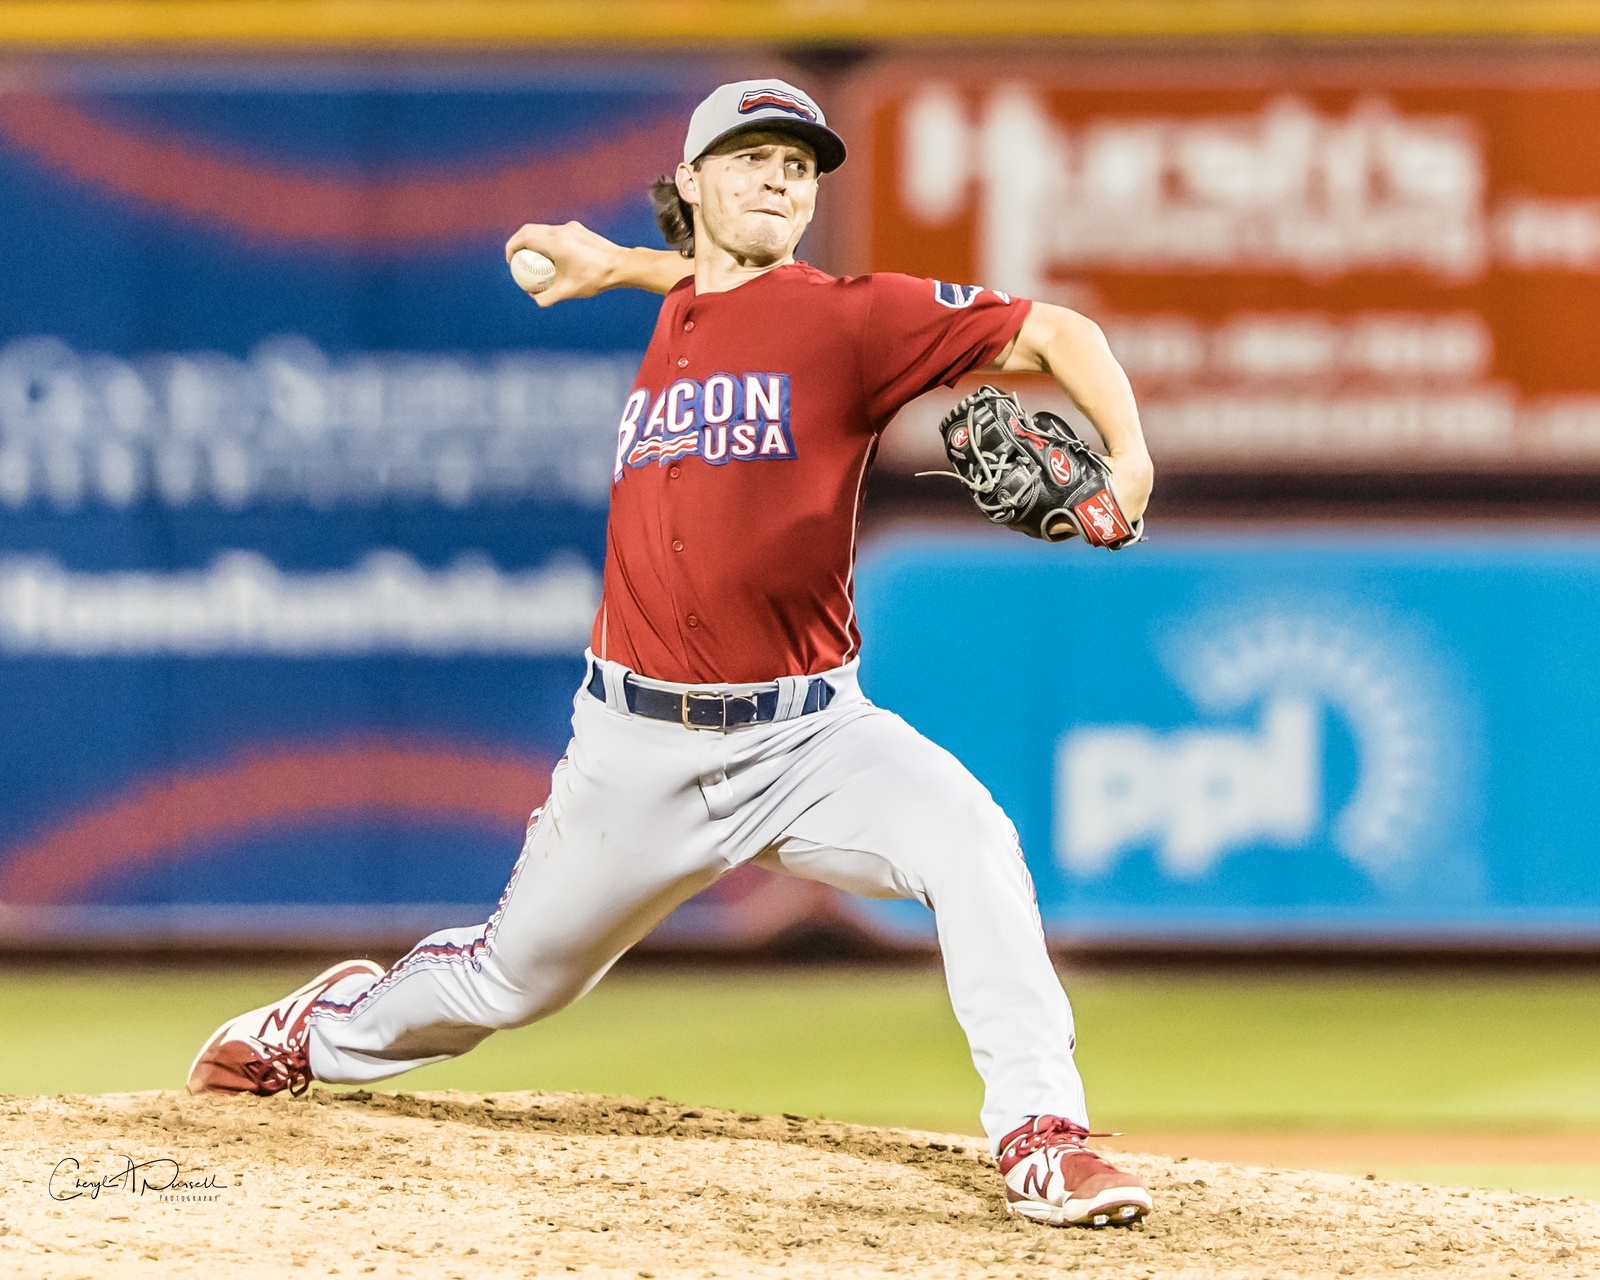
[1265,737]
[301,501]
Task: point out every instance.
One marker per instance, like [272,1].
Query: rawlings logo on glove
[1038,479]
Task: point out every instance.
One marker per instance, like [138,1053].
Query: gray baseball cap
[769,104]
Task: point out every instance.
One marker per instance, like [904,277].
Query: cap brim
[828,145]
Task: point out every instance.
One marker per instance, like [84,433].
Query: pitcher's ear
[688,179]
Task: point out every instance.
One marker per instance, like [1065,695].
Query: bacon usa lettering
[728,417]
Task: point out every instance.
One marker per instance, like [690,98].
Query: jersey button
[692,620]
[677,546]
[683,362]
[674,472]
[688,326]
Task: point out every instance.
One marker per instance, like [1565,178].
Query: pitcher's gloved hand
[1035,477]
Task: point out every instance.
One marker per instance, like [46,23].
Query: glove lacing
[989,463]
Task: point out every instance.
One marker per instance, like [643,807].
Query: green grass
[1158,1051]
[880,1045]
[1313,1051]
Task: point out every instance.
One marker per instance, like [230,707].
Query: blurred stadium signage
[287,424]
[1322,740]
[1298,265]
[242,604]
[301,501]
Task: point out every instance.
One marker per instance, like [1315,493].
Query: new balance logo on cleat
[1051,1176]
[1036,1179]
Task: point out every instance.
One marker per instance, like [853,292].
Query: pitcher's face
[754,195]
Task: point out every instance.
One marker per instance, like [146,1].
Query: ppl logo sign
[729,417]
[776,99]
[1199,792]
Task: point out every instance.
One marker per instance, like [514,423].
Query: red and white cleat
[264,1051]
[1052,1177]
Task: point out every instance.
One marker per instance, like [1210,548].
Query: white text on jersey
[728,417]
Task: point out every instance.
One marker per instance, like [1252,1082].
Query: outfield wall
[1297,738]
[302,503]
[1307,261]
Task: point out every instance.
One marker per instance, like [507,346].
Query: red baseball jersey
[742,455]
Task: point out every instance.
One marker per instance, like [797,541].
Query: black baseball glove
[1037,478]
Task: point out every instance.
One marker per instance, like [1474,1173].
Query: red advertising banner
[1329,262]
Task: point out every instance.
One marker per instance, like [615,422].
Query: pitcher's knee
[516,998]
[977,825]
[975,849]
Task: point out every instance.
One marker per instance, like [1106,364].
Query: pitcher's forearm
[1081,361]
[1072,349]
[653,270]
[1078,358]
[587,263]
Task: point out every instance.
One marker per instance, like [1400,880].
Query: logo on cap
[757,99]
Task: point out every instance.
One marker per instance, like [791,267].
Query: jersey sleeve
[922,334]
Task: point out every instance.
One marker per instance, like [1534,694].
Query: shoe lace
[277,1068]
[1049,1132]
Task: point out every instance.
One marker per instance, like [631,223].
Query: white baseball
[532,271]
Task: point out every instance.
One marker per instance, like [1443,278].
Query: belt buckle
[689,699]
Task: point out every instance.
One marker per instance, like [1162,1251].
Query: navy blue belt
[701,710]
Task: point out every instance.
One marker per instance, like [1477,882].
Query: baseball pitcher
[720,720]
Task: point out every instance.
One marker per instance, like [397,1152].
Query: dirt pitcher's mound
[441,1185]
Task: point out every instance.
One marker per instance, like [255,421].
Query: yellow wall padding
[306,24]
